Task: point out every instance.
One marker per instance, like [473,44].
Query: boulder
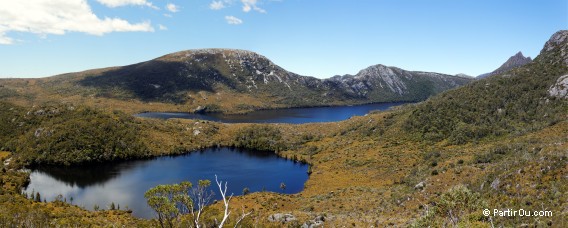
[420,186]
[281,217]
[560,88]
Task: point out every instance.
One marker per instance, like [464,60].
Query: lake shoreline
[293,115]
[245,112]
[93,185]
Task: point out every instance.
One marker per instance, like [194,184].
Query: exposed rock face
[380,80]
[557,48]
[555,52]
[560,88]
[463,75]
[514,61]
[557,39]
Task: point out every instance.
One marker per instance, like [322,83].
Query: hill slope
[516,102]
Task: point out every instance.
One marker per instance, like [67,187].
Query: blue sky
[316,38]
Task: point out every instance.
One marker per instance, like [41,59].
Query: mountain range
[229,80]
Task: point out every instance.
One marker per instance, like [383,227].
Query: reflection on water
[84,176]
[289,115]
[124,183]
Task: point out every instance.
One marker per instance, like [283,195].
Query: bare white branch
[243,215]
[225,200]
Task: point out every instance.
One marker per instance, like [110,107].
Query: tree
[165,200]
[169,201]
[37,197]
[246,191]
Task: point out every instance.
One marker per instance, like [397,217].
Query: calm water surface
[289,115]
[124,183]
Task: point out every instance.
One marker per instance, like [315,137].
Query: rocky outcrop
[316,222]
[281,217]
[560,88]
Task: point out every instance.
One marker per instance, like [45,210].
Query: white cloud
[217,5]
[249,5]
[233,20]
[118,3]
[172,8]
[162,27]
[44,17]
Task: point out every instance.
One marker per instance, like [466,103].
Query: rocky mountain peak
[519,55]
[514,61]
[556,48]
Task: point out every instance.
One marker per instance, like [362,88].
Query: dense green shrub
[61,134]
[260,137]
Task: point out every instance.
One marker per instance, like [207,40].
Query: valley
[498,142]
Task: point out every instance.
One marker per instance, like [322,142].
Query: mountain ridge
[234,81]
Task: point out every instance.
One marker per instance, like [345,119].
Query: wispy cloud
[118,3]
[172,7]
[44,17]
[233,20]
[162,27]
[217,5]
[249,5]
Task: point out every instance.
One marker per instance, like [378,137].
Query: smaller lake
[288,115]
[125,183]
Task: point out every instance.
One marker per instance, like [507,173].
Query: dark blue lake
[288,115]
[124,183]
